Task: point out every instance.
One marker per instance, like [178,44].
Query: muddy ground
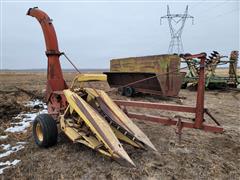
[201,155]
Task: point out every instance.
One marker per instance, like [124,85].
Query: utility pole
[176,45]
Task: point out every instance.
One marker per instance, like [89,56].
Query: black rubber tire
[128,91]
[48,128]
[184,86]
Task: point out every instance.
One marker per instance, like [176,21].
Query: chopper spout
[47,28]
[55,80]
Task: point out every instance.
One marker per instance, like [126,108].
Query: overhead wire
[197,5]
[228,12]
[212,8]
[218,5]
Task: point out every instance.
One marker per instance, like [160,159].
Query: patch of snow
[44,111]
[21,142]
[25,118]
[15,162]
[11,150]
[34,103]
[20,128]
[5,146]
[3,137]
[8,164]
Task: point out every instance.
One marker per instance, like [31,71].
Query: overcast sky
[92,33]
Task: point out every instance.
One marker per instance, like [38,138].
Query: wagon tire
[128,91]
[45,130]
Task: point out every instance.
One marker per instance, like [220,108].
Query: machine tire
[128,91]
[184,86]
[45,130]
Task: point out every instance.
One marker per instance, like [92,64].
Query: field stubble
[200,156]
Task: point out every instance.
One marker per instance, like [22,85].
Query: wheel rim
[39,132]
[128,91]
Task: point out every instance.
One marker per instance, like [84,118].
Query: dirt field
[201,155]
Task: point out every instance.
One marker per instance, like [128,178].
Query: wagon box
[160,71]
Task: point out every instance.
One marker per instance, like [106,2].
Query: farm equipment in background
[198,122]
[86,115]
[89,116]
[162,71]
[212,79]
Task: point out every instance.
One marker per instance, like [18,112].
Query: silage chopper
[89,116]
[86,115]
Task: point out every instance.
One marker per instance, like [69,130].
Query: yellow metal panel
[93,141]
[124,138]
[153,64]
[78,136]
[91,92]
[69,95]
[72,133]
[88,77]
[98,125]
[126,121]
[91,77]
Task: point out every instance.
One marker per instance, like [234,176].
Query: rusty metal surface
[199,110]
[171,83]
[153,64]
[116,79]
[167,107]
[55,81]
[168,121]
[233,68]
[168,79]
[201,91]
[166,85]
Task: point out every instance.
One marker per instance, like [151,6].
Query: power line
[222,14]
[213,8]
[217,6]
[226,13]
[176,45]
[198,4]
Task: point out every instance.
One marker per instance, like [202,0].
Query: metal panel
[153,64]
[167,82]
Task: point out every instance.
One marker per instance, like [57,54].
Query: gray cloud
[93,33]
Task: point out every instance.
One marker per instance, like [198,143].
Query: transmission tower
[176,45]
